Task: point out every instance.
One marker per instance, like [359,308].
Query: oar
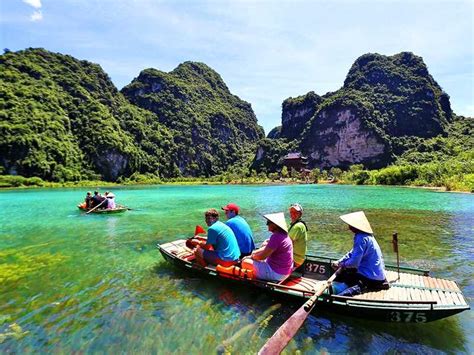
[287,331]
[100,204]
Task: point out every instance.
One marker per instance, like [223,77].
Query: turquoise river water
[71,282]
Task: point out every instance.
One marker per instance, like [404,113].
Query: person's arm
[353,261]
[264,243]
[199,241]
[262,253]
[345,257]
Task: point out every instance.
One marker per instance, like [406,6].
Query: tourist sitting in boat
[298,233]
[241,229]
[274,260]
[362,267]
[98,199]
[88,200]
[110,201]
[226,249]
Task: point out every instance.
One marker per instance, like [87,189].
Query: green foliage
[216,129]
[20,181]
[394,175]
[63,120]
[270,153]
[442,161]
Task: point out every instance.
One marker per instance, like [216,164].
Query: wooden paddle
[100,204]
[287,331]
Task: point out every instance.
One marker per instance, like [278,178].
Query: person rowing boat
[363,266]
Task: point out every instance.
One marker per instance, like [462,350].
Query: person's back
[298,233]
[366,257]
[281,260]
[97,199]
[111,203]
[242,233]
[88,200]
[223,240]
[274,259]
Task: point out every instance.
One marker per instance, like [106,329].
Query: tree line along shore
[448,176]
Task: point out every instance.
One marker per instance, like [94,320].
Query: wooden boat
[413,296]
[118,209]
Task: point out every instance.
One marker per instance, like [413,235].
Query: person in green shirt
[298,233]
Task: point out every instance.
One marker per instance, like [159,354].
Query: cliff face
[215,127]
[340,138]
[383,98]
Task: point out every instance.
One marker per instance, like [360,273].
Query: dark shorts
[211,258]
[351,278]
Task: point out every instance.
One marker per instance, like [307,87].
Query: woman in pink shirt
[274,260]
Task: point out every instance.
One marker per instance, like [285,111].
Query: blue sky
[265,51]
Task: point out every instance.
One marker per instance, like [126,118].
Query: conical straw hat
[357,220]
[278,219]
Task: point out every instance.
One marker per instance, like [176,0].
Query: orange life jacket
[235,271]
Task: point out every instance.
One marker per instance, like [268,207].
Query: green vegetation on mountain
[216,129]
[62,119]
[386,101]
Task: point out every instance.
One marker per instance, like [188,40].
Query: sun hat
[357,220]
[231,207]
[278,219]
[297,207]
[110,195]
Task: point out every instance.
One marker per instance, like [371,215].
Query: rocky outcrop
[340,138]
[384,98]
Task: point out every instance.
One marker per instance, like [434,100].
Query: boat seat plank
[301,284]
[444,296]
[461,299]
[455,298]
[442,299]
[419,280]
[450,298]
[450,285]
[455,286]
[437,283]
[429,296]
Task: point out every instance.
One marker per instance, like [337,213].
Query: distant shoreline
[93,185]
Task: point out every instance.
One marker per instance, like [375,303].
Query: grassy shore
[19,182]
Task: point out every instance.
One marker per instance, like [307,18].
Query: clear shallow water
[76,282]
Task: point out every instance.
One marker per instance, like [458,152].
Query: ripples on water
[71,282]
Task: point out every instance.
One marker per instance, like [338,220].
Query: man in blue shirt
[225,248]
[362,267]
[241,229]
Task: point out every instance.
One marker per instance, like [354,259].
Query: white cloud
[35,3]
[36,16]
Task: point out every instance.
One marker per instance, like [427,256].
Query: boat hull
[409,299]
[120,209]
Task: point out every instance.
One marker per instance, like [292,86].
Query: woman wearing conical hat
[362,267]
[274,260]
